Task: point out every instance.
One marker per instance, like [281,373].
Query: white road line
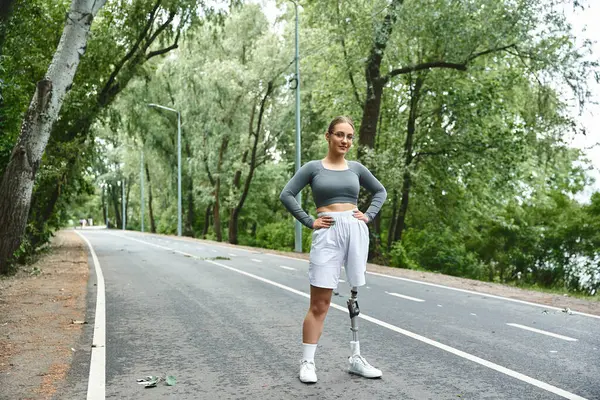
[481,294]
[97,378]
[232,255]
[288,268]
[543,332]
[404,297]
[459,353]
[256,260]
[343,281]
[470,357]
[214,251]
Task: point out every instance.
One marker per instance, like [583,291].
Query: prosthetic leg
[354,312]
[358,364]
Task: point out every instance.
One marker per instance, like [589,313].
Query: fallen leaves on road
[152,381]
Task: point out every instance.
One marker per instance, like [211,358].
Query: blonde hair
[340,120]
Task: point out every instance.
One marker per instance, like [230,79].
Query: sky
[586,25]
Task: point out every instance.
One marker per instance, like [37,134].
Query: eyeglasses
[341,135]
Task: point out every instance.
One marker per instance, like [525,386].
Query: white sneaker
[308,372]
[360,366]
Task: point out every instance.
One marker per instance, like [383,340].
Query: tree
[17,182]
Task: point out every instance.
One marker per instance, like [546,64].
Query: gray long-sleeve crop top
[332,186]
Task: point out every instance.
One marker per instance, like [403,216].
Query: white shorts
[345,243]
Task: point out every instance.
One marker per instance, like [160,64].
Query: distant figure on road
[340,238]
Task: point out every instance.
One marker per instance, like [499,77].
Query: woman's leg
[320,298]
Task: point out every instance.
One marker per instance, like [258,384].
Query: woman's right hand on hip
[323,222]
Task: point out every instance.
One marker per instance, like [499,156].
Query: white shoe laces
[363,361]
[310,365]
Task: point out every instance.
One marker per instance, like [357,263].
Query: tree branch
[131,52]
[443,64]
[425,66]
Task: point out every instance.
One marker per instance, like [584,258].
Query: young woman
[340,236]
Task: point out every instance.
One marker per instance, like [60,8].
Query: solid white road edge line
[404,297]
[97,378]
[452,350]
[556,335]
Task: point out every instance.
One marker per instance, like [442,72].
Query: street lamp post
[178,163]
[142,188]
[298,225]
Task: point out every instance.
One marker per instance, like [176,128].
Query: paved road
[226,322]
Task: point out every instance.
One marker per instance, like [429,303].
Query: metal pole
[298,227]
[123,204]
[142,189]
[178,174]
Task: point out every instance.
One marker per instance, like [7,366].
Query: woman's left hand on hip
[359,215]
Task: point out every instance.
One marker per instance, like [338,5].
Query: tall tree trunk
[408,156]
[150,210]
[189,222]
[233,221]
[206,221]
[217,191]
[18,179]
[237,181]
[115,200]
[104,213]
[129,184]
[392,228]
[375,82]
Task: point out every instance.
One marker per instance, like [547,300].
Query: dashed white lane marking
[473,314]
[256,260]
[517,375]
[553,351]
[481,294]
[343,281]
[439,305]
[214,251]
[404,297]
[97,378]
[232,255]
[288,268]
[543,332]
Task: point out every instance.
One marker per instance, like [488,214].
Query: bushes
[280,236]
[437,250]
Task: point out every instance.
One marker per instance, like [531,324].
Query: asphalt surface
[226,322]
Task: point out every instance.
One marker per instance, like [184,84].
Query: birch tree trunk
[17,182]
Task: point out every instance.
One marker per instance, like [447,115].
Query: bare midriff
[337,207]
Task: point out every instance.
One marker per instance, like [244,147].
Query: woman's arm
[369,182]
[291,189]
